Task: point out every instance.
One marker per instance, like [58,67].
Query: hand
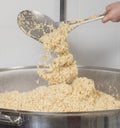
[112,13]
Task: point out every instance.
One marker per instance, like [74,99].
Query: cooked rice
[67,92]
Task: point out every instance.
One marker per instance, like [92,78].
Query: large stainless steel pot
[25,79]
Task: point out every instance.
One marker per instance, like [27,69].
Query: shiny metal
[15,120]
[35,24]
[26,78]
[85,21]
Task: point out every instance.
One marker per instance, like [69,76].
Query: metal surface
[35,24]
[11,119]
[77,23]
[63,10]
[25,79]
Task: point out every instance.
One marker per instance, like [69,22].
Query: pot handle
[10,119]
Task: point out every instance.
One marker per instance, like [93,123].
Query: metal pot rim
[82,113]
[79,66]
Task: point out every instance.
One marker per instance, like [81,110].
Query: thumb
[106,18]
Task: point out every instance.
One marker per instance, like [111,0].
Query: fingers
[108,8]
[106,18]
[112,13]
